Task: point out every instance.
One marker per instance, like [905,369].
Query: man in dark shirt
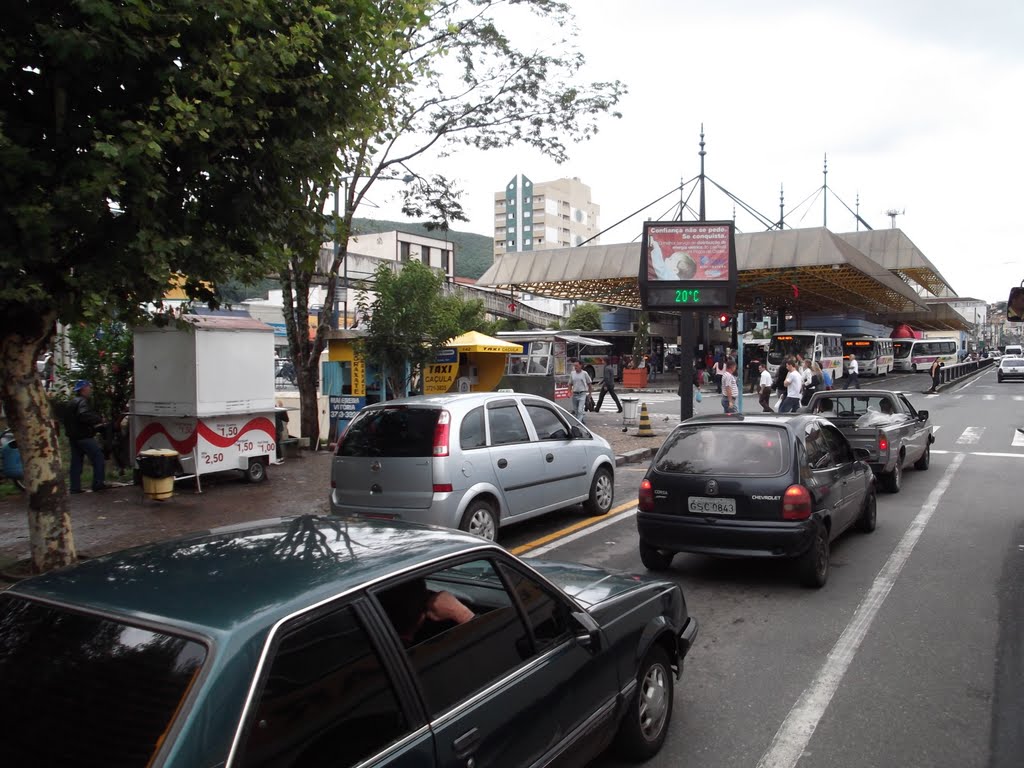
[81,423]
[608,386]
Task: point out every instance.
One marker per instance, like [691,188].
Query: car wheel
[893,481]
[869,514]
[926,459]
[814,562]
[480,520]
[602,491]
[645,725]
[256,472]
[655,559]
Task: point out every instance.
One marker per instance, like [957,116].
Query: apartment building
[549,214]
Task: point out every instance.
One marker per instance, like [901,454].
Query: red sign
[690,252]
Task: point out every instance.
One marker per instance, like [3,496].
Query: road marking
[797,729]
[988,397]
[929,397]
[579,534]
[974,380]
[970,436]
[957,397]
[1018,438]
[936,429]
[987,454]
[564,535]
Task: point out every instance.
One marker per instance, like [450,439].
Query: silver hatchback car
[472,461]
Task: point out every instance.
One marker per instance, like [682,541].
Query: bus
[919,354]
[824,348]
[874,356]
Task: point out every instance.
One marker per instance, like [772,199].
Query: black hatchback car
[768,485]
[325,641]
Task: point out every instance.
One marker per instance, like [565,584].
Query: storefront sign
[345,407]
[438,378]
[358,377]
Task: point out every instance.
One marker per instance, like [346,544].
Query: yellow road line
[571,529]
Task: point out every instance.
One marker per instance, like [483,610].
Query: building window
[527,200]
[511,216]
[526,228]
[528,242]
[528,214]
[403,251]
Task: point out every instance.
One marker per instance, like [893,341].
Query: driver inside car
[418,613]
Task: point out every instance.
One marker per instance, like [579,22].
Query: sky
[919,107]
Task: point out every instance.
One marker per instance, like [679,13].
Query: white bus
[919,354]
[874,356]
[824,348]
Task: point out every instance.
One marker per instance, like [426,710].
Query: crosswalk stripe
[957,397]
[989,397]
[970,436]
[936,429]
[1018,398]
[1018,438]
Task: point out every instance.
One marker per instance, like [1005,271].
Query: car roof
[451,398]
[243,579]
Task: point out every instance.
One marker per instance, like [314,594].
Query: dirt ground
[124,517]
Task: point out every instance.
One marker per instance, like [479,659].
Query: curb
[634,457]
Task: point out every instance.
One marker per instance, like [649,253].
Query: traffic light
[724,320]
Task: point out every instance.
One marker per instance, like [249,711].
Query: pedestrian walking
[851,374]
[730,389]
[765,389]
[719,371]
[582,388]
[826,378]
[81,423]
[816,383]
[937,366]
[794,385]
[49,371]
[608,386]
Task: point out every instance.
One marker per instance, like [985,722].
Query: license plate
[702,505]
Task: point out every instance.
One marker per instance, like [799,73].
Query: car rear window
[110,689]
[398,432]
[1012,362]
[724,450]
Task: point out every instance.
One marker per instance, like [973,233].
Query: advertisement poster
[563,387]
[697,252]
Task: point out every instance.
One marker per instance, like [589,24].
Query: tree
[146,140]
[584,317]
[474,88]
[407,320]
[642,340]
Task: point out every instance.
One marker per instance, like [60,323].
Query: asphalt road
[912,655]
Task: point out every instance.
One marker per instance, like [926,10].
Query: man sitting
[418,613]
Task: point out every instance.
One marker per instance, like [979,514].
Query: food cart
[207,392]
[543,367]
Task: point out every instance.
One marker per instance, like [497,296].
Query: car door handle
[467,743]
[549,458]
[502,463]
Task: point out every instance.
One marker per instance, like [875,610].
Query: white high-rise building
[549,214]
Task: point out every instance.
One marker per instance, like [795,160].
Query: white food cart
[207,392]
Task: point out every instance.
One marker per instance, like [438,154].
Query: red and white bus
[919,354]
[874,356]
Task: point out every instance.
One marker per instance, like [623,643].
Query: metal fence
[956,371]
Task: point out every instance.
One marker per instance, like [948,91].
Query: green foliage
[584,317]
[407,319]
[642,340]
[494,327]
[105,357]
[465,314]
[142,140]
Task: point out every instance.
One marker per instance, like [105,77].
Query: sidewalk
[124,517]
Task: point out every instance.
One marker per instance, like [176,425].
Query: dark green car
[329,642]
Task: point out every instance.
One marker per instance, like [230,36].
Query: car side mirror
[922,415]
[861,454]
[588,632]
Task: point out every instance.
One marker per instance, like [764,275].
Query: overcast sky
[918,105]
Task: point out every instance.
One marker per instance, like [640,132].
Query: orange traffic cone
[645,423]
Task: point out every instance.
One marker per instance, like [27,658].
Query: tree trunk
[51,542]
[309,408]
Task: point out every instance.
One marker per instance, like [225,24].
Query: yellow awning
[474,341]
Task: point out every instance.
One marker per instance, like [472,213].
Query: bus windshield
[789,346]
[901,349]
[862,350]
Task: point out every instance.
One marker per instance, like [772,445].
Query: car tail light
[441,430]
[883,444]
[646,497]
[796,503]
[442,487]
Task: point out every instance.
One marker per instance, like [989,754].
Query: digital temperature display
[663,296]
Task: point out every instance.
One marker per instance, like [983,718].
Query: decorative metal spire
[703,209]
[782,207]
[825,196]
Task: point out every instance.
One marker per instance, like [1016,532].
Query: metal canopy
[824,268]
[896,252]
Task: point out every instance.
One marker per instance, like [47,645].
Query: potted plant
[634,376]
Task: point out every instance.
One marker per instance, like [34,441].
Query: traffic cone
[645,423]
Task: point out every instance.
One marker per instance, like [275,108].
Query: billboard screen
[688,265]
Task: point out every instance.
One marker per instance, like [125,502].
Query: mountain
[473,253]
